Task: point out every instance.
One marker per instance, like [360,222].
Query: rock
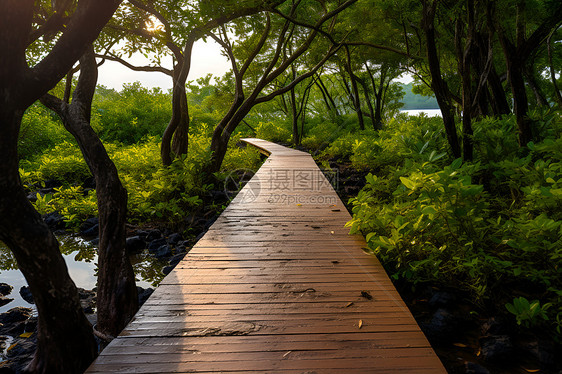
[441,299]
[545,353]
[13,322]
[5,300]
[135,244]
[87,300]
[33,198]
[176,259]
[474,368]
[25,294]
[156,243]
[144,294]
[91,232]
[440,329]
[153,234]
[167,269]
[496,348]
[494,326]
[162,251]
[95,241]
[54,220]
[5,289]
[90,227]
[174,239]
[199,236]
[52,183]
[142,234]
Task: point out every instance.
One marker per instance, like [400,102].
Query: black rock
[441,299]
[162,251]
[18,314]
[52,183]
[167,269]
[144,294]
[495,326]
[496,348]
[25,294]
[474,368]
[176,259]
[156,243]
[33,198]
[441,328]
[153,234]
[174,239]
[90,227]
[92,231]
[199,236]
[545,353]
[54,220]
[135,244]
[5,289]
[5,300]
[142,234]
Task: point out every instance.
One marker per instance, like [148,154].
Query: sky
[206,58]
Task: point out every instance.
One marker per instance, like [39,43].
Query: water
[81,260]
[428,112]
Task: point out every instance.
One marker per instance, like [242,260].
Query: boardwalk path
[276,285]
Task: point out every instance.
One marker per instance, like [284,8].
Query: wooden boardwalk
[275,286]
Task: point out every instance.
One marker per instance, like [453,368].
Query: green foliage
[63,163]
[131,114]
[485,227]
[527,313]
[40,130]
[273,132]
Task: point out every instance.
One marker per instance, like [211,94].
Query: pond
[81,260]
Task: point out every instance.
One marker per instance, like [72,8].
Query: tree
[271,67]
[117,300]
[181,25]
[518,44]
[65,343]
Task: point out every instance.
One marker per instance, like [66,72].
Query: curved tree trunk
[117,300]
[62,328]
[439,86]
[178,128]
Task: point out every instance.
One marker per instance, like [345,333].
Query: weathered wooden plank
[275,286]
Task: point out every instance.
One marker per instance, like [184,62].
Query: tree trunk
[499,99]
[178,127]
[355,91]
[439,86]
[540,98]
[63,332]
[551,69]
[117,300]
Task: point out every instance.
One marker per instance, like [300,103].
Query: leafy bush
[40,131]
[273,133]
[132,114]
[492,227]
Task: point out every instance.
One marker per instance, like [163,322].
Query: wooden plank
[276,285]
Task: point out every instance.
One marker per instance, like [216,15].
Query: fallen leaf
[349,304]
[11,347]
[460,345]
[332,232]
[26,335]
[532,370]
[299,204]
[286,354]
[360,323]
[479,352]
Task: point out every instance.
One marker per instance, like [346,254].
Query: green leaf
[408,183]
